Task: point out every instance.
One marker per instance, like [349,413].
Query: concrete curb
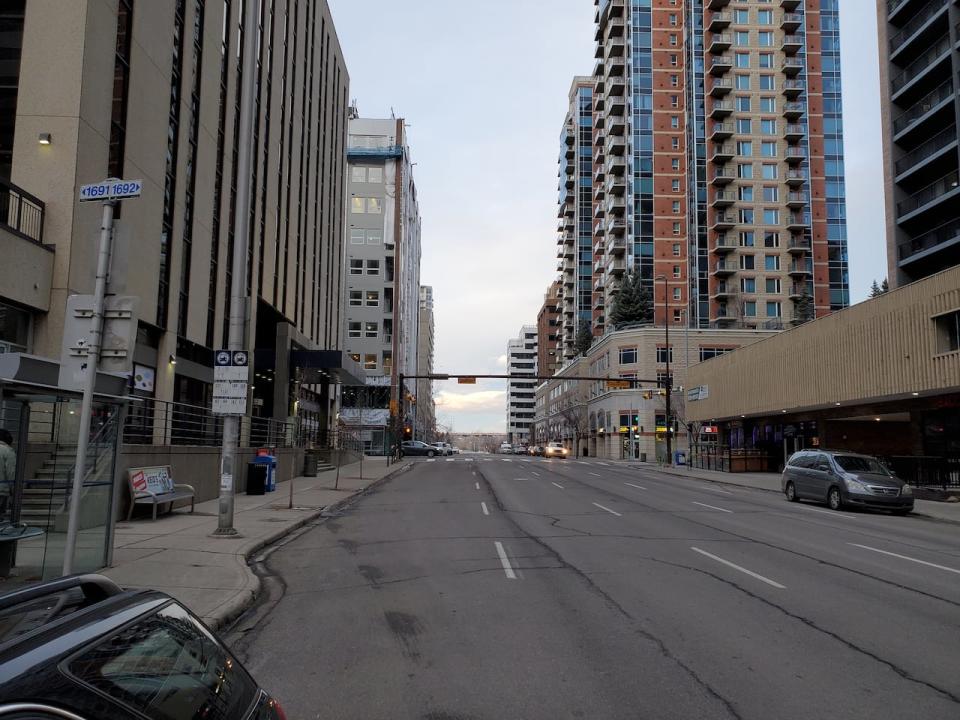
[235,606]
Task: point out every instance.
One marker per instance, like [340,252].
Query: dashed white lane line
[432,460]
[600,463]
[752,574]
[905,557]
[477,485]
[717,490]
[638,487]
[534,472]
[582,462]
[506,460]
[483,506]
[557,485]
[504,561]
[612,512]
[449,459]
[596,474]
[713,507]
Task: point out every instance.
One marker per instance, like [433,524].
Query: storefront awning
[40,372]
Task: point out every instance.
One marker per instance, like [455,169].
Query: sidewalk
[948,512]
[177,555]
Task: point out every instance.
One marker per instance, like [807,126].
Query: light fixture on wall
[45,138]
[173,359]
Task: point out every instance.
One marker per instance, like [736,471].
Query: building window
[748,285]
[766,61]
[764,17]
[746,216]
[675,122]
[769,171]
[744,126]
[948,332]
[771,262]
[745,193]
[768,104]
[750,308]
[370,361]
[371,329]
[358,205]
[675,163]
[356,298]
[676,272]
[771,216]
[745,171]
[741,17]
[743,102]
[771,193]
[677,294]
[676,228]
[356,237]
[746,262]
[358,174]
[765,38]
[675,185]
[373,298]
[774,309]
[354,330]
[743,82]
[743,60]
[767,82]
[768,148]
[676,249]
[768,127]
[356,267]
[771,239]
[744,148]
[773,286]
[374,237]
[677,314]
[373,267]
[121,86]
[662,355]
[746,238]
[676,207]
[711,352]
[375,175]
[628,355]
[374,206]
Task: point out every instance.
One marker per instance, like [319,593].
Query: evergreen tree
[875,290]
[633,303]
[804,310]
[884,286]
[584,338]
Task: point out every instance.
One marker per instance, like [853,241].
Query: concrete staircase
[45,495]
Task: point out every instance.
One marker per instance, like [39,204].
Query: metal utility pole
[238,289]
[89,383]
[666,326]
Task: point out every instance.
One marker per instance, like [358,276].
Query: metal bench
[154,486]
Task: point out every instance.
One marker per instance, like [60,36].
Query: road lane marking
[432,460]
[582,462]
[534,472]
[752,574]
[449,459]
[477,485]
[600,463]
[596,474]
[905,557]
[504,561]
[612,512]
[505,460]
[557,485]
[638,487]
[713,489]
[713,507]
[483,505]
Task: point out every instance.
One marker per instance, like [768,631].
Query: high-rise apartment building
[426,414]
[719,152]
[919,73]
[382,286]
[521,360]
[548,330]
[149,90]
[575,213]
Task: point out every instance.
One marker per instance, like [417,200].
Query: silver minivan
[845,479]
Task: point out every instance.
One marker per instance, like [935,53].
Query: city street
[496,587]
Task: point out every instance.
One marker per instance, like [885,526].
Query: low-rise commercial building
[881,377]
[594,419]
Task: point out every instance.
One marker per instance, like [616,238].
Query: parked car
[555,449]
[845,479]
[80,647]
[456,450]
[443,448]
[417,447]
[536,450]
[505,448]
[519,449]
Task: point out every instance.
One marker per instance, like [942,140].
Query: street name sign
[231,372]
[112,189]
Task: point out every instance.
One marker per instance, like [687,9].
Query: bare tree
[573,410]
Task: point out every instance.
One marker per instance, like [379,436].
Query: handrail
[928,148]
[936,189]
[923,106]
[914,23]
[919,65]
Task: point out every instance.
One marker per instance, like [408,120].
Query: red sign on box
[139,481]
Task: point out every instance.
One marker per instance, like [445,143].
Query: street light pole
[238,284]
[666,332]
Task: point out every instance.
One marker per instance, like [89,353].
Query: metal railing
[926,471]
[914,23]
[938,188]
[923,106]
[941,234]
[920,65]
[21,212]
[156,422]
[931,146]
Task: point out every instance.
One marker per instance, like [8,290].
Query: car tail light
[278,712]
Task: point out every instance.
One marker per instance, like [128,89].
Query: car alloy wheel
[834,500]
[791,492]
[430,453]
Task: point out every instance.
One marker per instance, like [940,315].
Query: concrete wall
[200,467]
[26,271]
[882,349]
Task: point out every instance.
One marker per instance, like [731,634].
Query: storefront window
[14,329]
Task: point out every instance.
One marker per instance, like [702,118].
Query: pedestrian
[8,471]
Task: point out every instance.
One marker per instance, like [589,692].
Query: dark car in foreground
[81,648]
[843,479]
[414,448]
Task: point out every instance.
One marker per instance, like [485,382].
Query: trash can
[257,478]
[310,465]
[643,457]
[270,463]
[679,458]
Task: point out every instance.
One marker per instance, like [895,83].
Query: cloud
[481,401]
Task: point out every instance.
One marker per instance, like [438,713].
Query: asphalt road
[496,587]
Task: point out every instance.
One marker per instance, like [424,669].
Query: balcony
[723,176]
[789,5]
[599,103]
[794,132]
[800,268]
[792,67]
[724,244]
[944,189]
[938,145]
[797,290]
[931,247]
[598,284]
[617,164]
[617,246]
[721,65]
[791,22]
[614,48]
[721,88]
[616,267]
[26,273]
[796,178]
[792,44]
[724,268]
[721,109]
[724,199]
[615,145]
[616,185]
[795,154]
[720,43]
[615,206]
[617,104]
[797,200]
[599,176]
[722,154]
[724,291]
[925,110]
[719,21]
[925,22]
[916,73]
[616,226]
[794,88]
[798,245]
[717,4]
[721,131]
[599,192]
[616,125]
[798,222]
[794,110]
[723,221]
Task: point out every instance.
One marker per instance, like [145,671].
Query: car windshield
[859,464]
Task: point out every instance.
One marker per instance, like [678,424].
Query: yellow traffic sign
[618,384]
[466,380]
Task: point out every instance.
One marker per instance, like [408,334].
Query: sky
[484,89]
